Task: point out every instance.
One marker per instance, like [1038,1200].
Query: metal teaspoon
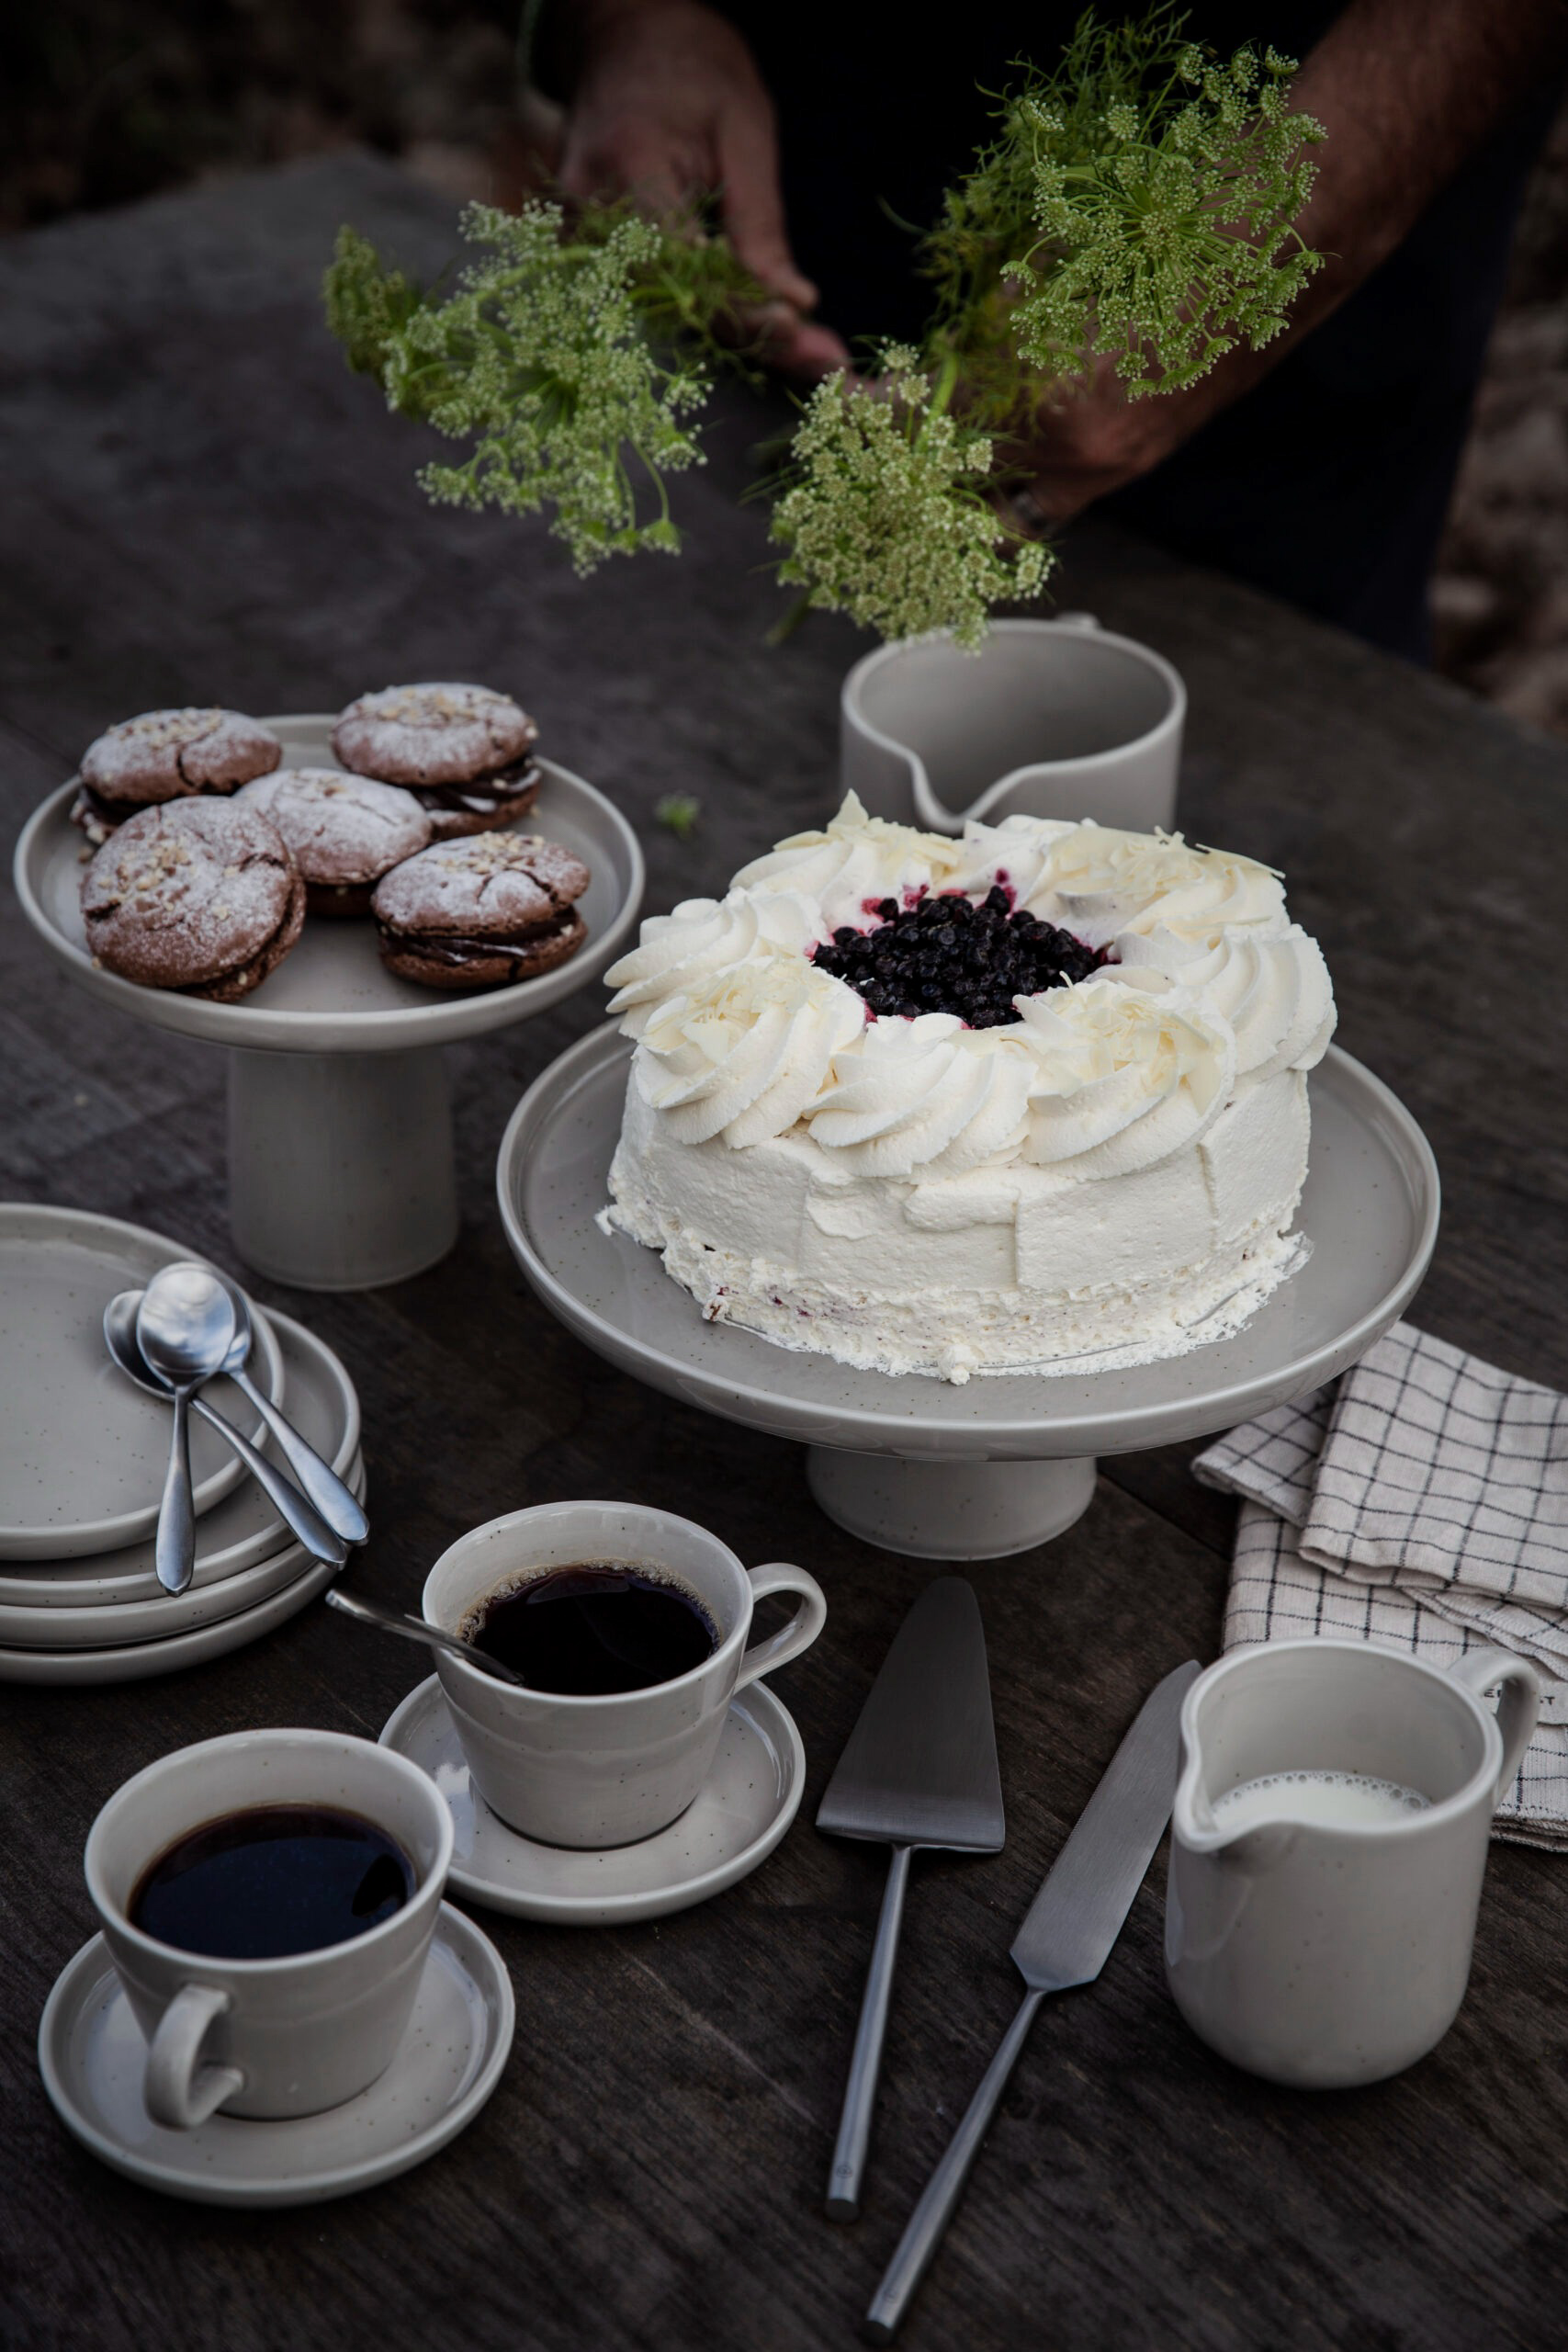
[120,1319]
[414,1629]
[320,1482]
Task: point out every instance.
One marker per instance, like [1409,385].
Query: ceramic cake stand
[341,1173]
[1001,1463]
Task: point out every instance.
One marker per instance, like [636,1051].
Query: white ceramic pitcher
[1049,719]
[1330,1954]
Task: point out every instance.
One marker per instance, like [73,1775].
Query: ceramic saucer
[92,2057]
[136,1661]
[749,1801]
[83,1451]
[235,1533]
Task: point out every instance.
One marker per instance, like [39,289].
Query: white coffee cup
[604,1771]
[290,2036]
[1048,719]
[1325,1952]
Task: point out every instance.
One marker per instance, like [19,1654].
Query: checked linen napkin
[1421,1500]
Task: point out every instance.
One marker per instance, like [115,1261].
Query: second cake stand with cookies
[1002,1463]
[342,1170]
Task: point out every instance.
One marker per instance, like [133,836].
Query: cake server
[1066,1939]
[919,1769]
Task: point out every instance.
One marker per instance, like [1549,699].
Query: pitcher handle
[1483,1671]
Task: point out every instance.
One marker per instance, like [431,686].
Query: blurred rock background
[102,101]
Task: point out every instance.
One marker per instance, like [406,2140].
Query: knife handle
[930,2217]
[860,2091]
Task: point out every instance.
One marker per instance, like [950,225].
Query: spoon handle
[284,1497]
[174,1552]
[414,1629]
[320,1482]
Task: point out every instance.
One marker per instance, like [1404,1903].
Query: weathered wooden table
[200,504]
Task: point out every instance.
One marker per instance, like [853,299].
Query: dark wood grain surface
[199,505]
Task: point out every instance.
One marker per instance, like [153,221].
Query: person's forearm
[1405,90]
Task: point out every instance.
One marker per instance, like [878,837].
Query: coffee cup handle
[802,1629]
[1483,1671]
[176,2096]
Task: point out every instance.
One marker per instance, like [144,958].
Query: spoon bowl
[184,1326]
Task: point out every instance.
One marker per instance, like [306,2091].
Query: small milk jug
[1329,1835]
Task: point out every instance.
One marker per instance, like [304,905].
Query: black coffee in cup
[272,1880]
[593,1629]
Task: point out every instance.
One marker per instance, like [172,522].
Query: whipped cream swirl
[1275,992]
[706,936]
[1124,1078]
[856,862]
[926,1096]
[1098,882]
[743,1052]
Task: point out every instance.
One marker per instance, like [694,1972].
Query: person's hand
[1089,439]
[667,104]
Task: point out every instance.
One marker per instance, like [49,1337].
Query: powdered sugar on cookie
[493,882]
[182,896]
[169,754]
[341,829]
[433,734]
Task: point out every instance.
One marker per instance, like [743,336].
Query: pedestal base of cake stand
[341,1167]
[949,1511]
[1003,1462]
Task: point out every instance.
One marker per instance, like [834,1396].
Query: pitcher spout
[1248,1847]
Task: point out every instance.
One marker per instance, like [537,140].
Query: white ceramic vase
[1049,719]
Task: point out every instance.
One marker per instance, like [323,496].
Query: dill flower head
[887,516]
[1162,188]
[540,361]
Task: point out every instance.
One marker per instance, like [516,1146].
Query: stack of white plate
[82,1453]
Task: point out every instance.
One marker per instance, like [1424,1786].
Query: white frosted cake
[1009,1102]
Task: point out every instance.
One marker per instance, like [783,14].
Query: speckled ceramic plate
[236,1533]
[164,1615]
[749,1801]
[1369,1210]
[93,2057]
[137,1661]
[331,993]
[83,1451]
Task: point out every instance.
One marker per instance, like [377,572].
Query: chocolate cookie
[343,832]
[464,751]
[200,895]
[168,755]
[476,914]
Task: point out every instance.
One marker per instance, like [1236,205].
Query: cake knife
[1066,1939]
[919,1769]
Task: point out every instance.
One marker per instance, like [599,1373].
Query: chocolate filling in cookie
[478,806]
[451,960]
